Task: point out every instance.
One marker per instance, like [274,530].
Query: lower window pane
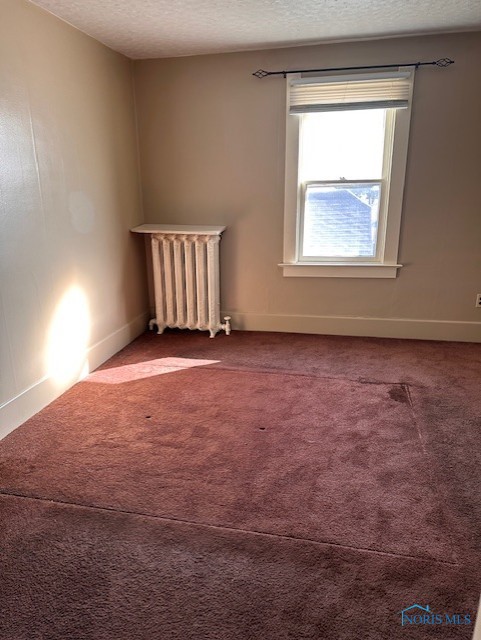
[340,220]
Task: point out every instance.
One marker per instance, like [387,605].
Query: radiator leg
[160,327]
[212,333]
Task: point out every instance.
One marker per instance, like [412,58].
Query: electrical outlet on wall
[478,300]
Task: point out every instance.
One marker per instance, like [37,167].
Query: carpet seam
[231,529]
[300,374]
[283,372]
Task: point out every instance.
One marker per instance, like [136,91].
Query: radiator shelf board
[206,230]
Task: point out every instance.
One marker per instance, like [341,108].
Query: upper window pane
[342,144]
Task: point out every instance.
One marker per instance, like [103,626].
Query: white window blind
[341,93]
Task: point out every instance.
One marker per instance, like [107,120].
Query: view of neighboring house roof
[339,221]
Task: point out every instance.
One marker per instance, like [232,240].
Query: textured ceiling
[164,28]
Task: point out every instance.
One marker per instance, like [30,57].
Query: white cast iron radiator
[185,267]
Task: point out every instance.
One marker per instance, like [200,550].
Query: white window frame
[385,264]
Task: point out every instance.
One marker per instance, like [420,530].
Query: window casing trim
[394,171]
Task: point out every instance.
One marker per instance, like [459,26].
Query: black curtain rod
[442,62]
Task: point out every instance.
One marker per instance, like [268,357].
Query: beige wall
[212,152]
[72,277]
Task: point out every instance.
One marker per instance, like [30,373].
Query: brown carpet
[252,486]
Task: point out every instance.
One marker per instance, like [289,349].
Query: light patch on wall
[68,337]
[82,212]
[140,370]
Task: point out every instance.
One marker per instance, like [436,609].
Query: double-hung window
[347,139]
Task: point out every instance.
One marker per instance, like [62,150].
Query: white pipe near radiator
[185,266]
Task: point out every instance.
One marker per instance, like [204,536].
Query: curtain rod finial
[260,73]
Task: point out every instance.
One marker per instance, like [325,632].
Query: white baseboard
[20,408]
[107,347]
[359,326]
[16,411]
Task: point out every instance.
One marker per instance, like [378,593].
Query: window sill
[339,270]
